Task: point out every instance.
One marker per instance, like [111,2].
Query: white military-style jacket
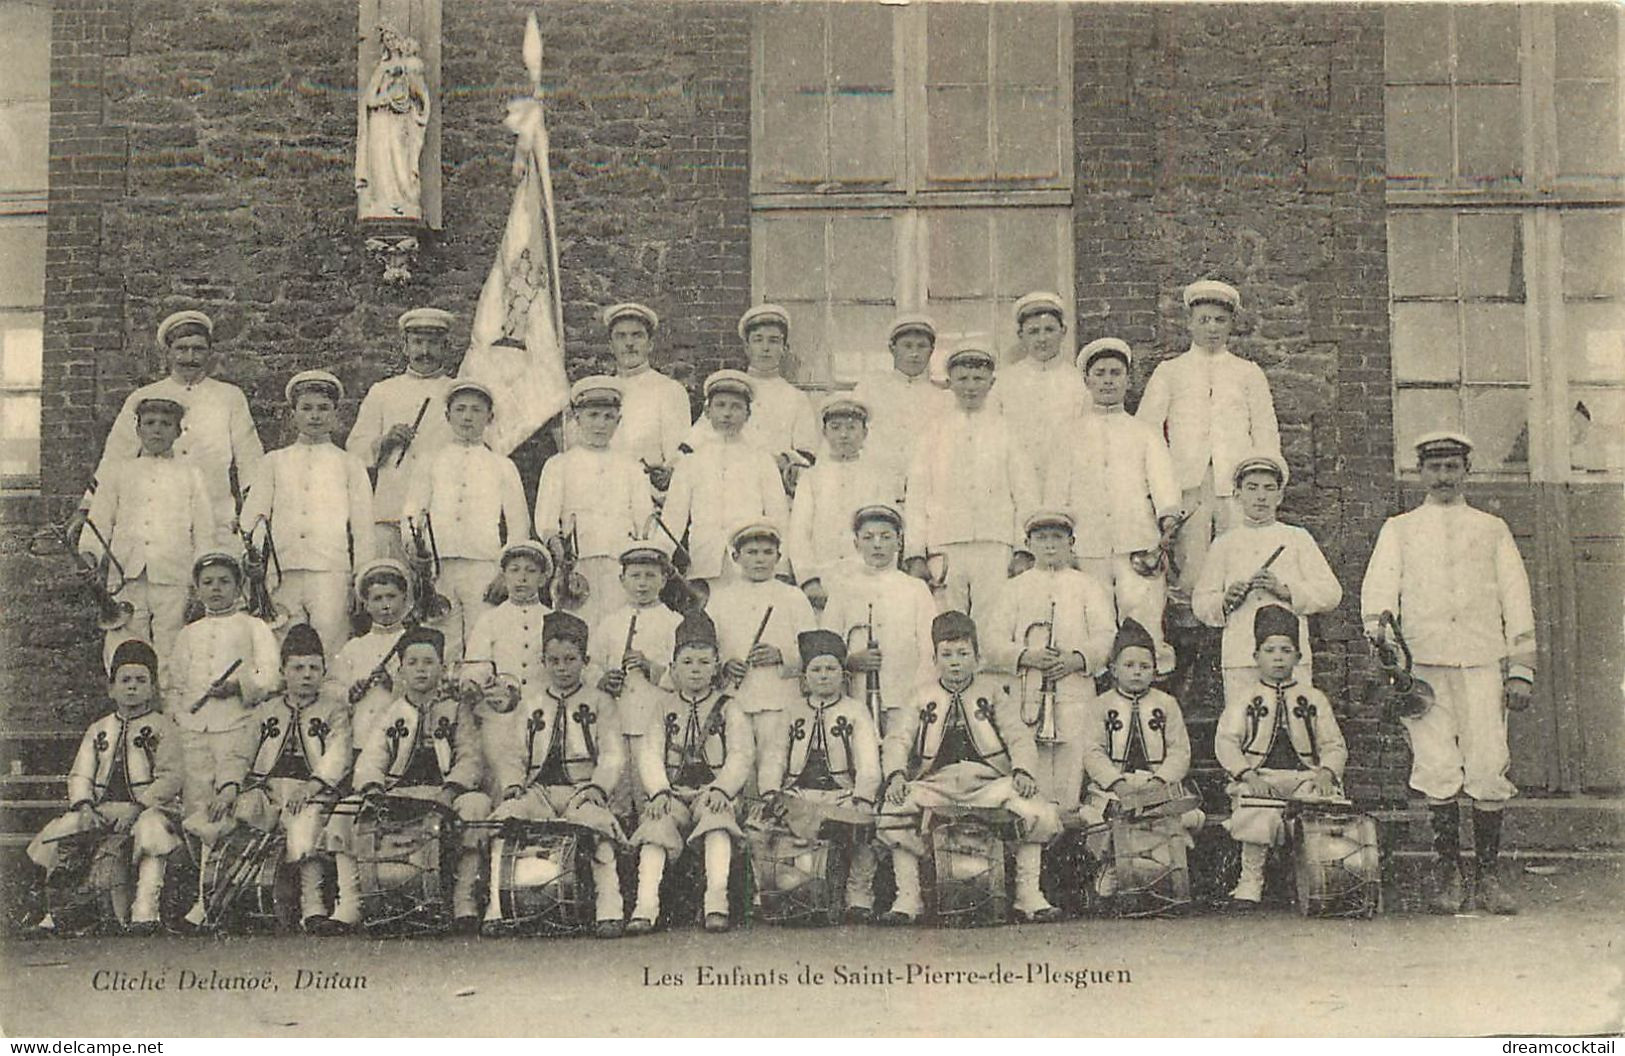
[472,494]
[655,417]
[655,638]
[1085,622]
[435,745]
[1453,576]
[819,540]
[600,495]
[1122,733]
[156,515]
[510,635]
[898,405]
[697,744]
[1235,556]
[1253,723]
[357,660]
[970,481]
[717,490]
[1043,402]
[781,420]
[984,711]
[127,758]
[550,740]
[303,742]
[388,403]
[737,608]
[1114,475]
[903,609]
[319,502]
[203,651]
[1216,409]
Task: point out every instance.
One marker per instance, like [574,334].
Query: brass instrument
[258,560]
[686,595]
[871,679]
[1151,561]
[428,604]
[1043,723]
[501,692]
[1398,692]
[569,588]
[197,705]
[936,571]
[94,574]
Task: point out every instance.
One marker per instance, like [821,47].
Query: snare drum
[797,880]
[543,878]
[967,851]
[78,892]
[1336,862]
[1153,878]
[403,851]
[240,877]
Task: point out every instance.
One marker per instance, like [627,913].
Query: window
[911,158]
[1505,237]
[25,52]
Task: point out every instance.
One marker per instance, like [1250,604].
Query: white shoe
[197,914]
[1248,891]
[1106,882]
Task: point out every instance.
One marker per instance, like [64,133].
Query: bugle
[500,691]
[569,589]
[685,594]
[1398,692]
[103,577]
[1043,720]
[258,559]
[428,604]
[1150,561]
[871,679]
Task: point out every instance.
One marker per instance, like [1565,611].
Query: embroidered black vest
[815,772]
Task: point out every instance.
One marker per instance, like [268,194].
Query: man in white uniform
[1041,394]
[655,415]
[903,400]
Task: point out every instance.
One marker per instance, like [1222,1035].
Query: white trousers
[160,613]
[1137,597]
[977,573]
[1460,744]
[463,581]
[1211,516]
[321,599]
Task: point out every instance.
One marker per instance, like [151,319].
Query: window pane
[25,50]
[24,145]
[1421,254]
[1027,252]
[957,134]
[956,44]
[792,148]
[860,52]
[22,262]
[958,321]
[1595,334]
[1417,40]
[1597,430]
[1487,44]
[1027,135]
[1024,39]
[1426,345]
[863,140]
[1593,255]
[793,259]
[1495,349]
[861,259]
[1588,129]
[21,350]
[19,434]
[1419,411]
[959,256]
[1492,256]
[793,45]
[856,343]
[810,359]
[1490,133]
[1587,40]
[1498,422]
[1418,124]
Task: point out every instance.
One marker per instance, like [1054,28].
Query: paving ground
[1555,969]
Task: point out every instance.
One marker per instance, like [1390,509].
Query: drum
[404,852]
[239,878]
[78,894]
[798,881]
[1153,878]
[543,878]
[1336,862]
[967,852]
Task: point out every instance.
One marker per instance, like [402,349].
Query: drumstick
[227,673]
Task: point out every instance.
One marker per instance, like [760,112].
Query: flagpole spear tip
[533,53]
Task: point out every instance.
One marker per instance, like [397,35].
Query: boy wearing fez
[155,514]
[315,498]
[124,778]
[559,755]
[961,742]
[300,762]
[473,501]
[846,479]
[696,755]
[223,665]
[1261,562]
[592,497]
[1116,479]
[724,484]
[1453,577]
[426,745]
[1277,738]
[399,426]
[968,489]
[824,749]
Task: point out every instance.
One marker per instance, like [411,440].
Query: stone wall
[1246,144]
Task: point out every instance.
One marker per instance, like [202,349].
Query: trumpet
[936,571]
[1398,692]
[1150,561]
[871,679]
[428,604]
[1043,723]
[569,588]
[257,563]
[499,691]
[111,612]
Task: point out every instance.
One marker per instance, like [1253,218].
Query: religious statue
[394,118]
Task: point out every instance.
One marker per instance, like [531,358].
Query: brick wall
[201,156]
[1246,143]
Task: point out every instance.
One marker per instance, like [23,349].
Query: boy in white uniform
[1041,394]
[1215,408]
[368,665]
[724,484]
[1453,577]
[968,489]
[655,416]
[399,425]
[781,421]
[592,496]
[902,399]
[316,502]
[507,640]
[1235,583]
[471,500]
[1117,480]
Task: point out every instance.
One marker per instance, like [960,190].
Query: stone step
[1576,823]
[38,751]
[24,817]
[33,786]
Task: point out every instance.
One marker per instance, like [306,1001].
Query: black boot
[1487,891]
[1447,893]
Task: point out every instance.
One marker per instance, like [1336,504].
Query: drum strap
[1134,756]
[694,770]
[552,769]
